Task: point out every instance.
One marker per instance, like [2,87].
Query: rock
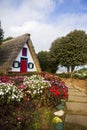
[59,113]
[56,120]
[60,107]
[59,126]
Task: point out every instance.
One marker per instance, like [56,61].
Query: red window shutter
[24,51]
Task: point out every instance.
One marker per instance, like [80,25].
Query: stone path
[76,107]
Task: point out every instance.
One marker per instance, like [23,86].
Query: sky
[45,20]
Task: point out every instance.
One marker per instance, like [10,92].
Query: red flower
[57,93]
[53,89]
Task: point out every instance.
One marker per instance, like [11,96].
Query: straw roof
[9,50]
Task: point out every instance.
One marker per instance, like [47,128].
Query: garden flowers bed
[26,100]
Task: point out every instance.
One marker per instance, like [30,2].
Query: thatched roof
[9,50]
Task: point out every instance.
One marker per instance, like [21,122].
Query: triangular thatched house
[18,55]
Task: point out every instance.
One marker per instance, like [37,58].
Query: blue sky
[45,20]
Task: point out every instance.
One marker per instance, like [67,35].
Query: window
[24,51]
[30,65]
[16,64]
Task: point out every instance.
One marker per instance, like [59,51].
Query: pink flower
[19,118]
[21,86]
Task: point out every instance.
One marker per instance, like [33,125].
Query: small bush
[80,75]
[64,75]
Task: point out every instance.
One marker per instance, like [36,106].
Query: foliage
[11,79]
[18,116]
[22,111]
[83,70]
[46,62]
[80,74]
[10,93]
[6,79]
[24,115]
[36,124]
[57,92]
[15,110]
[36,85]
[70,51]
[64,75]
[8,38]
[44,59]
[1,34]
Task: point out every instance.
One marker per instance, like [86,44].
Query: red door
[23,65]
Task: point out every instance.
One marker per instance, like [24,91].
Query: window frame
[29,65]
[16,64]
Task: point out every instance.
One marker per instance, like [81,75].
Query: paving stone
[77,119]
[76,92]
[77,98]
[76,106]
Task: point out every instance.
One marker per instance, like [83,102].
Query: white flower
[13,97]
[6,91]
[1,93]
[41,91]
[34,92]
[42,86]
[10,92]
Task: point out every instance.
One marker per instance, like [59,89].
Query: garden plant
[28,102]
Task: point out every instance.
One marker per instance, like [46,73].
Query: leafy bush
[81,74]
[10,93]
[16,113]
[57,92]
[36,85]
[64,75]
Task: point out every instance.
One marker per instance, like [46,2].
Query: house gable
[27,56]
[12,49]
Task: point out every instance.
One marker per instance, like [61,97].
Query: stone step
[76,92]
[77,119]
[76,106]
[76,113]
[72,98]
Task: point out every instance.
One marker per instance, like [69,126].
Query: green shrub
[64,75]
[80,75]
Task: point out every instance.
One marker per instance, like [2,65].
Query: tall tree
[46,63]
[70,51]
[43,59]
[1,34]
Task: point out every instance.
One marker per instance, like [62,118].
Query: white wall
[30,59]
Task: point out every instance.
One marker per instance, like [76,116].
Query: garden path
[76,106]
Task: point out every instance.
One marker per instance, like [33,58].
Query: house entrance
[23,65]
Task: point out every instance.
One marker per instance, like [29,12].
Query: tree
[1,34]
[43,57]
[45,62]
[71,50]
[8,38]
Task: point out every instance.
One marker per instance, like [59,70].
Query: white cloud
[32,17]
[43,34]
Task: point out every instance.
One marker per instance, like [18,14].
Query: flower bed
[19,96]
[57,92]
